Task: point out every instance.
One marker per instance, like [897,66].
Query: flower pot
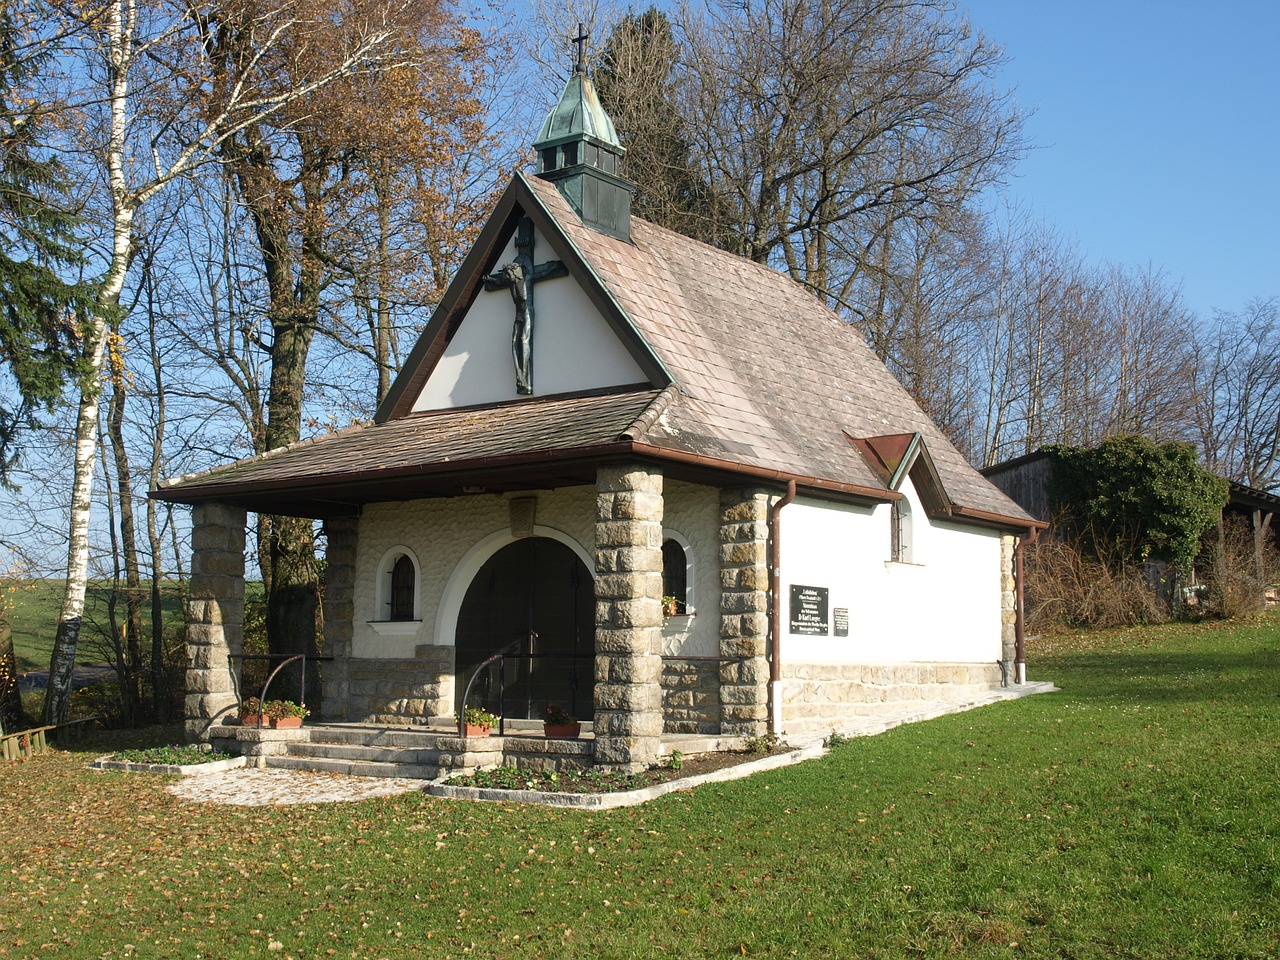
[287,723]
[561,731]
[475,730]
[252,720]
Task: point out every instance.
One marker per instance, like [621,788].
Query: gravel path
[253,788]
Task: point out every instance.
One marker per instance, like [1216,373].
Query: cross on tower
[581,42]
[519,276]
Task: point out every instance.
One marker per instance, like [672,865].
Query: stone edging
[625,798]
[182,769]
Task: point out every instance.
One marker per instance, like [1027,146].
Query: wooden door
[534,601]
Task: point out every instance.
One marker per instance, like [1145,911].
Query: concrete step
[351,751]
[394,737]
[356,768]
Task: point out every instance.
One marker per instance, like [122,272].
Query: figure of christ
[519,276]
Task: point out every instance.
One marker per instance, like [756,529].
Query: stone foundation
[816,697]
[628,668]
[548,756]
[339,611]
[744,611]
[691,696]
[215,616]
[401,691]
[1008,601]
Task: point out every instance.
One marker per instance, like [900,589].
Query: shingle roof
[426,443]
[768,375]
[765,377]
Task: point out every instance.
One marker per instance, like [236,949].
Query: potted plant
[251,714]
[477,722]
[285,714]
[559,724]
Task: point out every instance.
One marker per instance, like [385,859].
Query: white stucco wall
[448,538]
[692,513]
[567,330]
[944,606]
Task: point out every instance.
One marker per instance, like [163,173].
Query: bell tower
[579,151]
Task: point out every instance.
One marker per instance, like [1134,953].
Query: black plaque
[840,615]
[809,610]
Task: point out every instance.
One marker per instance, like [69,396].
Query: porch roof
[551,441]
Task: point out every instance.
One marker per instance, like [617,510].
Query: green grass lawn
[1134,814]
[33,608]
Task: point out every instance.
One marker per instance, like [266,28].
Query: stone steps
[391,738]
[367,751]
[372,754]
[356,768]
[428,754]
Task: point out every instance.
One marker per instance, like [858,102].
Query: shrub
[1067,588]
[1129,500]
[178,755]
[1236,572]
[765,743]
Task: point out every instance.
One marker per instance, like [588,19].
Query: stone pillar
[215,615]
[628,692]
[1008,602]
[339,614]
[744,611]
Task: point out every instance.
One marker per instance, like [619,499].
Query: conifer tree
[40,308]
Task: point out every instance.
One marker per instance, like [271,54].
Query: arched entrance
[535,601]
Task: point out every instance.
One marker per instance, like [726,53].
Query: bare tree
[138,70]
[1237,396]
[825,125]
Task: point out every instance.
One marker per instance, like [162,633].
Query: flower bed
[180,759]
[602,780]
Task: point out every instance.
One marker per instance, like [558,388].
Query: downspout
[1019,624]
[775,609]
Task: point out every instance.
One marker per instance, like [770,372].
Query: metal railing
[502,658]
[286,659]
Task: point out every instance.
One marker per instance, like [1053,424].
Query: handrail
[288,659]
[462,710]
[502,712]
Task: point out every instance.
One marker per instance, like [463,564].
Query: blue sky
[1158,133]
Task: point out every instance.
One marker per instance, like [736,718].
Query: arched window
[398,591]
[900,531]
[675,579]
[404,583]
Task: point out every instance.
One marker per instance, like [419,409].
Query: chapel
[631,476]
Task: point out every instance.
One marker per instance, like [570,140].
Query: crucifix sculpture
[519,276]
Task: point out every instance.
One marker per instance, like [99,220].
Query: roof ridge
[650,414]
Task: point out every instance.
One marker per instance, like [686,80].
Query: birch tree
[135,69]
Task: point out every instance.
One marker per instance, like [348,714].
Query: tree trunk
[57,703]
[11,715]
[128,548]
[159,688]
[294,279]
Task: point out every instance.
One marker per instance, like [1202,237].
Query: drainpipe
[775,609]
[1019,625]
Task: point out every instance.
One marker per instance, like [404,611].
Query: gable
[574,348]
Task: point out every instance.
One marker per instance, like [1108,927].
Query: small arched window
[900,531]
[404,583]
[675,579]
[398,599]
